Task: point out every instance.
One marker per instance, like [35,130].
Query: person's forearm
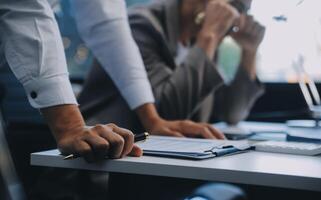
[208,42]
[62,119]
[248,62]
[147,114]
[92,143]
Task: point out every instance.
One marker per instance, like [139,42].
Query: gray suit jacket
[191,90]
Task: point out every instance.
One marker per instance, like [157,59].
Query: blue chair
[218,191]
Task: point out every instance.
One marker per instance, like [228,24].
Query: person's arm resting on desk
[34,51]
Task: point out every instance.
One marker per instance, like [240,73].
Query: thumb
[136,151]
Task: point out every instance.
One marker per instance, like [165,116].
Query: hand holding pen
[137,138]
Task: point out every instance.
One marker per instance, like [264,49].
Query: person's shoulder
[146,23]
[147,14]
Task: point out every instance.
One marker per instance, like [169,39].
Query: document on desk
[190,148]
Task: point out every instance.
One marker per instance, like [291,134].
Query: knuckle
[84,150]
[86,132]
[91,133]
[220,3]
[128,135]
[99,127]
[187,122]
[103,146]
[206,131]
[181,123]
[112,125]
[233,13]
[119,142]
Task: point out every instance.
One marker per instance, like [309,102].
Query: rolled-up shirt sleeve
[103,24]
[33,49]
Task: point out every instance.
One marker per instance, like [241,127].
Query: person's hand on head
[249,37]
[93,143]
[250,34]
[219,17]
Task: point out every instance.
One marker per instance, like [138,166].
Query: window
[293,28]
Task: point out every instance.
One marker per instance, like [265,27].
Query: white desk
[255,168]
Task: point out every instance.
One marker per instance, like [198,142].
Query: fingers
[128,138]
[216,133]
[99,146]
[252,26]
[88,145]
[204,130]
[116,141]
[173,133]
[206,133]
[136,151]
[98,142]
[249,24]
[240,22]
[220,17]
[193,129]
[229,13]
[261,32]
[84,150]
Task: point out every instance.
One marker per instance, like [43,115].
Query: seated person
[179,52]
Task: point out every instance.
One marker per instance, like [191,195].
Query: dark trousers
[140,187]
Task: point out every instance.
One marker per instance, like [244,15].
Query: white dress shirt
[103,25]
[31,44]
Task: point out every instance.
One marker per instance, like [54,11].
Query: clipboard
[191,148]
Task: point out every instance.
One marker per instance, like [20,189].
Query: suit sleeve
[234,102]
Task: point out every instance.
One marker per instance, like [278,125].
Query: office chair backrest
[7,169]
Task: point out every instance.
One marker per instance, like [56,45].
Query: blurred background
[293,30]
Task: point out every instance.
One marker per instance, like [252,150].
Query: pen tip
[68,157]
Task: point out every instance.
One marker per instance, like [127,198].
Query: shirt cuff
[138,94]
[49,92]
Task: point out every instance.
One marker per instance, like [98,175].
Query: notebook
[304,134]
[190,148]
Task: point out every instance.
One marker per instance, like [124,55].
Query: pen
[137,138]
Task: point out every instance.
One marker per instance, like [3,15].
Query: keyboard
[298,148]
